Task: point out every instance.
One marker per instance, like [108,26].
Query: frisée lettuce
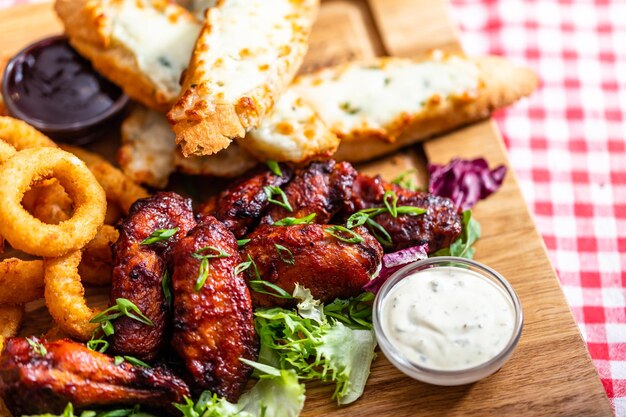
[317,346]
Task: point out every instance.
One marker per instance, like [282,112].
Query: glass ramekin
[447,377]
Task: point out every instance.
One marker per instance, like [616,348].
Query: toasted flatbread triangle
[246,54]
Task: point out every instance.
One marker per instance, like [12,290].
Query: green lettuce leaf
[318,345]
[462,247]
[276,394]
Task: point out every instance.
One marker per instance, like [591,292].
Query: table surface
[567,144]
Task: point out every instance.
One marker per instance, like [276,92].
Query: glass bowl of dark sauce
[51,87]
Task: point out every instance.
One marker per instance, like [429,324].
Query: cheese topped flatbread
[246,54]
[141,45]
[381,95]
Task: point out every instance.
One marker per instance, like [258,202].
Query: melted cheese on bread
[160,36]
[247,52]
[292,132]
[382,96]
[141,45]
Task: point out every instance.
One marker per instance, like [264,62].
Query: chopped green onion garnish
[136,362]
[159,236]
[203,274]
[285,254]
[291,221]
[271,191]
[344,234]
[274,167]
[261,287]
[243,242]
[257,275]
[107,328]
[122,307]
[98,345]
[242,267]
[216,253]
[37,346]
[392,206]
[379,232]
[203,271]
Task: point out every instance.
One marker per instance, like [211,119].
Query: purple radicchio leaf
[465,181]
[394,261]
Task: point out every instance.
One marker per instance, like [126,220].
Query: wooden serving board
[551,372]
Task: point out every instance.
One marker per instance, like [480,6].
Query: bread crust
[203,119]
[89,29]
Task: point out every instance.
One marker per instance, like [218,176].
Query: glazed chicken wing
[33,381]
[307,254]
[139,268]
[438,227]
[241,205]
[213,320]
[323,188]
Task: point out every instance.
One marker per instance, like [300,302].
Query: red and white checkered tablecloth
[567,144]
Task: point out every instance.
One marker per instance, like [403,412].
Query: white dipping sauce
[448,318]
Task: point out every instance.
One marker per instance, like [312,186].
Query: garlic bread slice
[141,45]
[246,54]
[379,106]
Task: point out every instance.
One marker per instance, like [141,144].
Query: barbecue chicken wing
[139,268]
[323,188]
[241,205]
[213,325]
[438,227]
[33,381]
[308,255]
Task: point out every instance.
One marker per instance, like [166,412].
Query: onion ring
[97,263]
[65,296]
[21,135]
[6,151]
[31,235]
[10,321]
[21,281]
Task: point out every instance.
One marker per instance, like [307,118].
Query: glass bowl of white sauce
[447,320]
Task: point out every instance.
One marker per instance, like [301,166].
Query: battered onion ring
[6,151]
[119,188]
[21,135]
[20,281]
[31,235]
[65,296]
[97,263]
[10,321]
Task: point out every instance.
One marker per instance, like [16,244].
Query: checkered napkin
[567,144]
